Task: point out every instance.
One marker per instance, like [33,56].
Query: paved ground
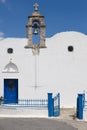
[81,125]
[69,116]
[21,120]
[33,124]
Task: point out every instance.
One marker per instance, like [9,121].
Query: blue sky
[60,15]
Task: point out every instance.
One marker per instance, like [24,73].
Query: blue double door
[10,91]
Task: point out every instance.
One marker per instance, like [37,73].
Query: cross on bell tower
[36,27]
[36,6]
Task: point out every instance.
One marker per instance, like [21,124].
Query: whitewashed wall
[57,69]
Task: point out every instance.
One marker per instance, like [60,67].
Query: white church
[32,67]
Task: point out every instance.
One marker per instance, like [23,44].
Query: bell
[35,31]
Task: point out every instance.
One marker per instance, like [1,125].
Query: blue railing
[37,103]
[52,104]
[85,104]
[40,103]
[57,105]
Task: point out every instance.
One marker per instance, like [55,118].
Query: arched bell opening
[35,32]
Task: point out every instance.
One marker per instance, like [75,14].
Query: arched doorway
[10,84]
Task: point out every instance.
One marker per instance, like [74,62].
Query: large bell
[35,31]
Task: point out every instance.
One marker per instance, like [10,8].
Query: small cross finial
[36,6]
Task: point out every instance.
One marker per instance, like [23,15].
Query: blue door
[10,91]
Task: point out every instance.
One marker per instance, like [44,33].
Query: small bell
[35,31]
[35,27]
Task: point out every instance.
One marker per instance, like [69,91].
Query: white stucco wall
[57,69]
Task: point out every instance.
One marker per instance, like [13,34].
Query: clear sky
[60,15]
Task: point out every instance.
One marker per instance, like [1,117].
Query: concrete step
[23,112]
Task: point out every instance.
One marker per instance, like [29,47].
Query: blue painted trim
[53,105]
[50,105]
[80,106]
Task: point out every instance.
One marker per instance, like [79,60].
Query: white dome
[10,68]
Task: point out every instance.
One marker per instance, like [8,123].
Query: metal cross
[36,6]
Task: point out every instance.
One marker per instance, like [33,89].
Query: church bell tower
[36,30]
